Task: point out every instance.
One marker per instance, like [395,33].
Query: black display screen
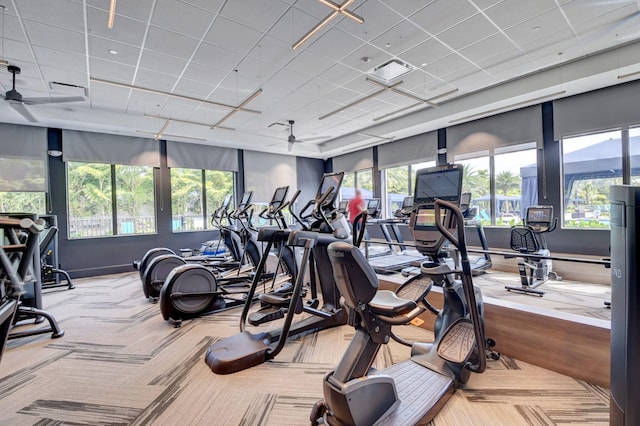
[539,215]
[438,183]
[246,199]
[373,205]
[226,202]
[279,196]
[330,180]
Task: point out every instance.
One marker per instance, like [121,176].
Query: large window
[591,164]
[362,180]
[189,189]
[99,208]
[399,183]
[13,202]
[515,185]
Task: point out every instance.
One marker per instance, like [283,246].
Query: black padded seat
[523,239]
[388,304]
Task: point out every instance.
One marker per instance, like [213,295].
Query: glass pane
[415,168]
[348,187]
[22,202]
[591,164]
[90,206]
[186,200]
[365,182]
[476,180]
[516,185]
[634,149]
[135,205]
[397,187]
[218,185]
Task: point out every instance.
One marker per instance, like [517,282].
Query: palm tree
[507,181]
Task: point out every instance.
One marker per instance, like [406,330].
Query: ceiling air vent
[391,70]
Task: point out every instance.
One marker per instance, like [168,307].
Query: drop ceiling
[200,61]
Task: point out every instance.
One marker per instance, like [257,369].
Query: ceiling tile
[109,70]
[508,13]
[214,56]
[334,44]
[339,74]
[126,54]
[580,12]
[537,28]
[260,15]
[208,75]
[193,21]
[54,38]
[244,38]
[406,7]
[60,59]
[128,31]
[61,13]
[154,80]
[377,19]
[467,32]
[170,43]
[309,64]
[440,15]
[402,37]
[487,48]
[138,9]
[196,89]
[78,78]
[429,51]
[163,63]
[210,5]
[17,53]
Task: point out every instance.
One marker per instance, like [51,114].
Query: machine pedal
[264,316]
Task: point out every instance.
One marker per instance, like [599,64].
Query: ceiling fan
[17,102]
[291,140]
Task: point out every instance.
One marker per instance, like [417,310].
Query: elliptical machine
[191,290]
[413,391]
[528,239]
[321,227]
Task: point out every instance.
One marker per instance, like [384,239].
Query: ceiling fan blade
[315,138]
[23,111]
[290,146]
[53,100]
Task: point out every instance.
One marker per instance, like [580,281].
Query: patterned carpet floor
[119,363]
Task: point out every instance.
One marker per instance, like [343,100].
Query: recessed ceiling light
[536,28]
[113,51]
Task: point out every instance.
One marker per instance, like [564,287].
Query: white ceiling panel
[483,50]
[128,31]
[207,75]
[245,40]
[138,9]
[429,51]
[508,13]
[61,13]
[441,15]
[170,43]
[214,56]
[54,38]
[193,21]
[113,71]
[124,53]
[209,5]
[157,80]
[258,15]
[467,32]
[163,63]
[334,44]
[538,27]
[405,7]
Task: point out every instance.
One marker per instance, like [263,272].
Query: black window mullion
[114,199]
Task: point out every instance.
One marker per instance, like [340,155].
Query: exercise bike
[413,391]
[529,241]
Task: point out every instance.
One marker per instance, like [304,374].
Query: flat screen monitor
[373,206]
[407,203]
[226,202]
[246,199]
[279,196]
[342,207]
[438,183]
[539,215]
[330,180]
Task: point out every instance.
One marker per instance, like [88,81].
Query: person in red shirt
[356,205]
